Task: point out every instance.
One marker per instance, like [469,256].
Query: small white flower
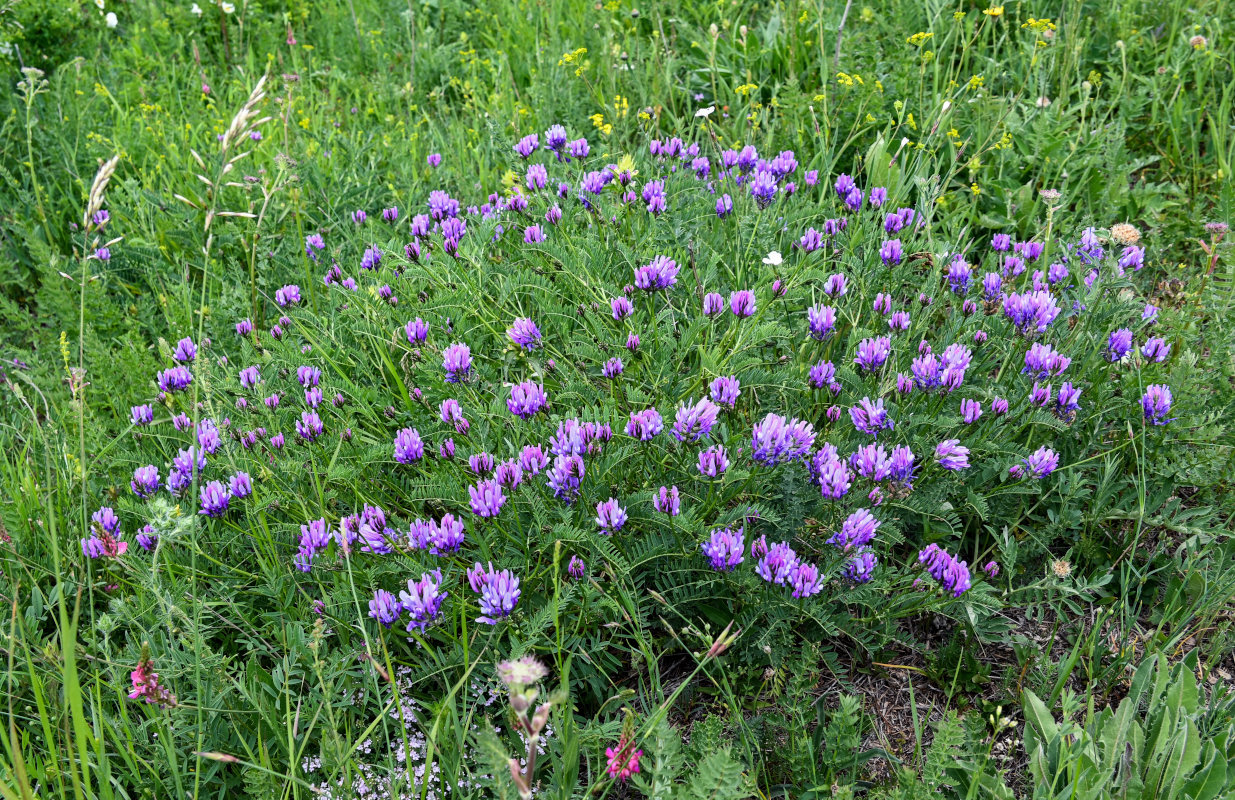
[705,112]
[228,8]
[773,259]
[111,20]
[196,10]
[100,4]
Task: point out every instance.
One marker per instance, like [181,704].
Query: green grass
[1137,129]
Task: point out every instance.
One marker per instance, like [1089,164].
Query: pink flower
[623,759]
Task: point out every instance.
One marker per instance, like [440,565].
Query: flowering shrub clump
[706,372]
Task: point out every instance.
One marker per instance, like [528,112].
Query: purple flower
[724,206]
[487,498]
[1031,312]
[527,399]
[804,579]
[713,304]
[822,321]
[725,548]
[1150,314]
[811,241]
[713,461]
[873,352]
[532,459]
[823,374]
[145,481]
[577,569]
[833,475]
[694,421]
[654,196]
[776,440]
[1042,361]
[621,308]
[457,362]
[565,477]
[871,461]
[899,321]
[959,275]
[1001,242]
[952,455]
[660,273]
[1119,344]
[555,139]
[1156,350]
[836,285]
[610,517]
[952,575]
[1041,463]
[742,303]
[384,608]
[371,259]
[644,425]
[763,187]
[777,564]
[208,436]
[1068,401]
[971,411]
[142,415]
[185,351]
[445,536]
[999,406]
[509,474]
[725,390]
[891,252]
[175,379]
[423,599]
[667,501]
[214,499]
[992,286]
[408,446]
[434,159]
[288,295]
[900,466]
[499,592]
[309,426]
[250,377]
[240,485]
[991,568]
[856,532]
[533,235]
[870,417]
[632,342]
[879,196]
[612,368]
[1156,403]
[862,568]
[527,145]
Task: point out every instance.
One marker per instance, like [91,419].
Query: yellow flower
[954,134]
[910,122]
[869,118]
[745,89]
[571,57]
[917,39]
[958,15]
[843,79]
[973,187]
[976,81]
[994,11]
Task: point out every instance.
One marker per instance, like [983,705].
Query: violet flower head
[951,573]
[822,321]
[644,425]
[777,564]
[384,608]
[532,459]
[175,379]
[960,275]
[309,427]
[742,303]
[1118,344]
[999,406]
[1038,465]
[804,579]
[776,440]
[1156,350]
[724,206]
[694,421]
[499,594]
[862,568]
[873,352]
[1031,312]
[1042,361]
[667,501]
[660,273]
[577,568]
[422,600]
[857,531]
[527,399]
[763,187]
[870,417]
[891,252]
[457,362]
[836,285]
[288,295]
[487,498]
[612,368]
[725,549]
[565,477]
[1067,403]
[185,351]
[713,304]
[823,374]
[142,415]
[408,446]
[725,390]
[214,499]
[610,517]
[901,466]
[971,411]
[621,308]
[1156,404]
[713,461]
[952,455]
[871,461]
[145,481]
[833,477]
[527,145]
[240,485]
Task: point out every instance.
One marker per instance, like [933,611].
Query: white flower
[228,8]
[99,3]
[773,259]
[196,10]
[705,112]
[111,20]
